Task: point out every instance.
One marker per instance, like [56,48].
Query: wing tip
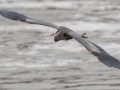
[1,11]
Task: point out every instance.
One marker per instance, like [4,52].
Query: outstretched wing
[107,59]
[19,17]
[97,51]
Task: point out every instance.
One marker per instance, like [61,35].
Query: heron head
[61,34]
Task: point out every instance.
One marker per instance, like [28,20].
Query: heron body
[64,33]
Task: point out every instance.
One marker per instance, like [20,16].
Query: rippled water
[31,60]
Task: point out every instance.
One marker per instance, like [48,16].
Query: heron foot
[84,35]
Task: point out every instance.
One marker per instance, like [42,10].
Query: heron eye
[65,34]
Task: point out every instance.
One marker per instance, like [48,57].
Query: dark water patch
[20,73]
[25,45]
[17,82]
[7,78]
[115,85]
[37,80]
[87,85]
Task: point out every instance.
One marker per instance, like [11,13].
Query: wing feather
[19,17]
[97,51]
[87,44]
[107,59]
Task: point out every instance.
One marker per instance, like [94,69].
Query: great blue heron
[64,33]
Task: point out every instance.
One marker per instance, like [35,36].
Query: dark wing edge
[97,51]
[19,17]
[107,59]
[100,49]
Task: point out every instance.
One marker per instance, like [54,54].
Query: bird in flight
[64,33]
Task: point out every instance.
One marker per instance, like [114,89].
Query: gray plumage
[19,17]
[64,33]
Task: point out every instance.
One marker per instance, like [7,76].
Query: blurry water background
[31,60]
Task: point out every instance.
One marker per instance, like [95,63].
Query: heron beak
[53,34]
